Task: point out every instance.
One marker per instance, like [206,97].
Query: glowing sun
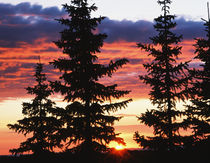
[119,147]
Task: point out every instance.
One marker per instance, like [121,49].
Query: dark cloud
[21,75]
[141,31]
[26,23]
[50,49]
[189,29]
[126,30]
[137,61]
[14,69]
[13,36]
[19,57]
[28,9]
[110,51]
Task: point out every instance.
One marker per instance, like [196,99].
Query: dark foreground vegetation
[87,120]
[123,156]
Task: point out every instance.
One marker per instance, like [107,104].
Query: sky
[27,29]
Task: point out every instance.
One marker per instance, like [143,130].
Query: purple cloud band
[26,23]
[141,30]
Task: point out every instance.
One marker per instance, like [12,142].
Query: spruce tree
[38,122]
[168,80]
[198,113]
[88,123]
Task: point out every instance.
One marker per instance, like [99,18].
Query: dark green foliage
[38,121]
[88,124]
[198,113]
[168,80]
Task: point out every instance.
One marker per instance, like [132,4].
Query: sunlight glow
[119,147]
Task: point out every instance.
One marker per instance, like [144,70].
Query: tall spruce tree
[168,80]
[198,113]
[88,123]
[38,122]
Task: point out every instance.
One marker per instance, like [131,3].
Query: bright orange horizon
[127,78]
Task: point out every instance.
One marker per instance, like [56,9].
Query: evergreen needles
[39,121]
[88,123]
[198,112]
[168,80]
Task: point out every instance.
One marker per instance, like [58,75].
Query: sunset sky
[27,29]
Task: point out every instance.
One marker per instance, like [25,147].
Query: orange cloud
[17,65]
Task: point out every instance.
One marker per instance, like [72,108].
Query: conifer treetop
[165,4]
[88,122]
[168,80]
[198,112]
[81,69]
[39,120]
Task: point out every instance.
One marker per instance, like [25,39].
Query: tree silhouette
[168,80]
[198,113]
[88,123]
[38,119]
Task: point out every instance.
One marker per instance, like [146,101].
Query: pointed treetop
[165,7]
[78,3]
[207,23]
[208,14]
[164,2]
[208,11]
[39,57]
